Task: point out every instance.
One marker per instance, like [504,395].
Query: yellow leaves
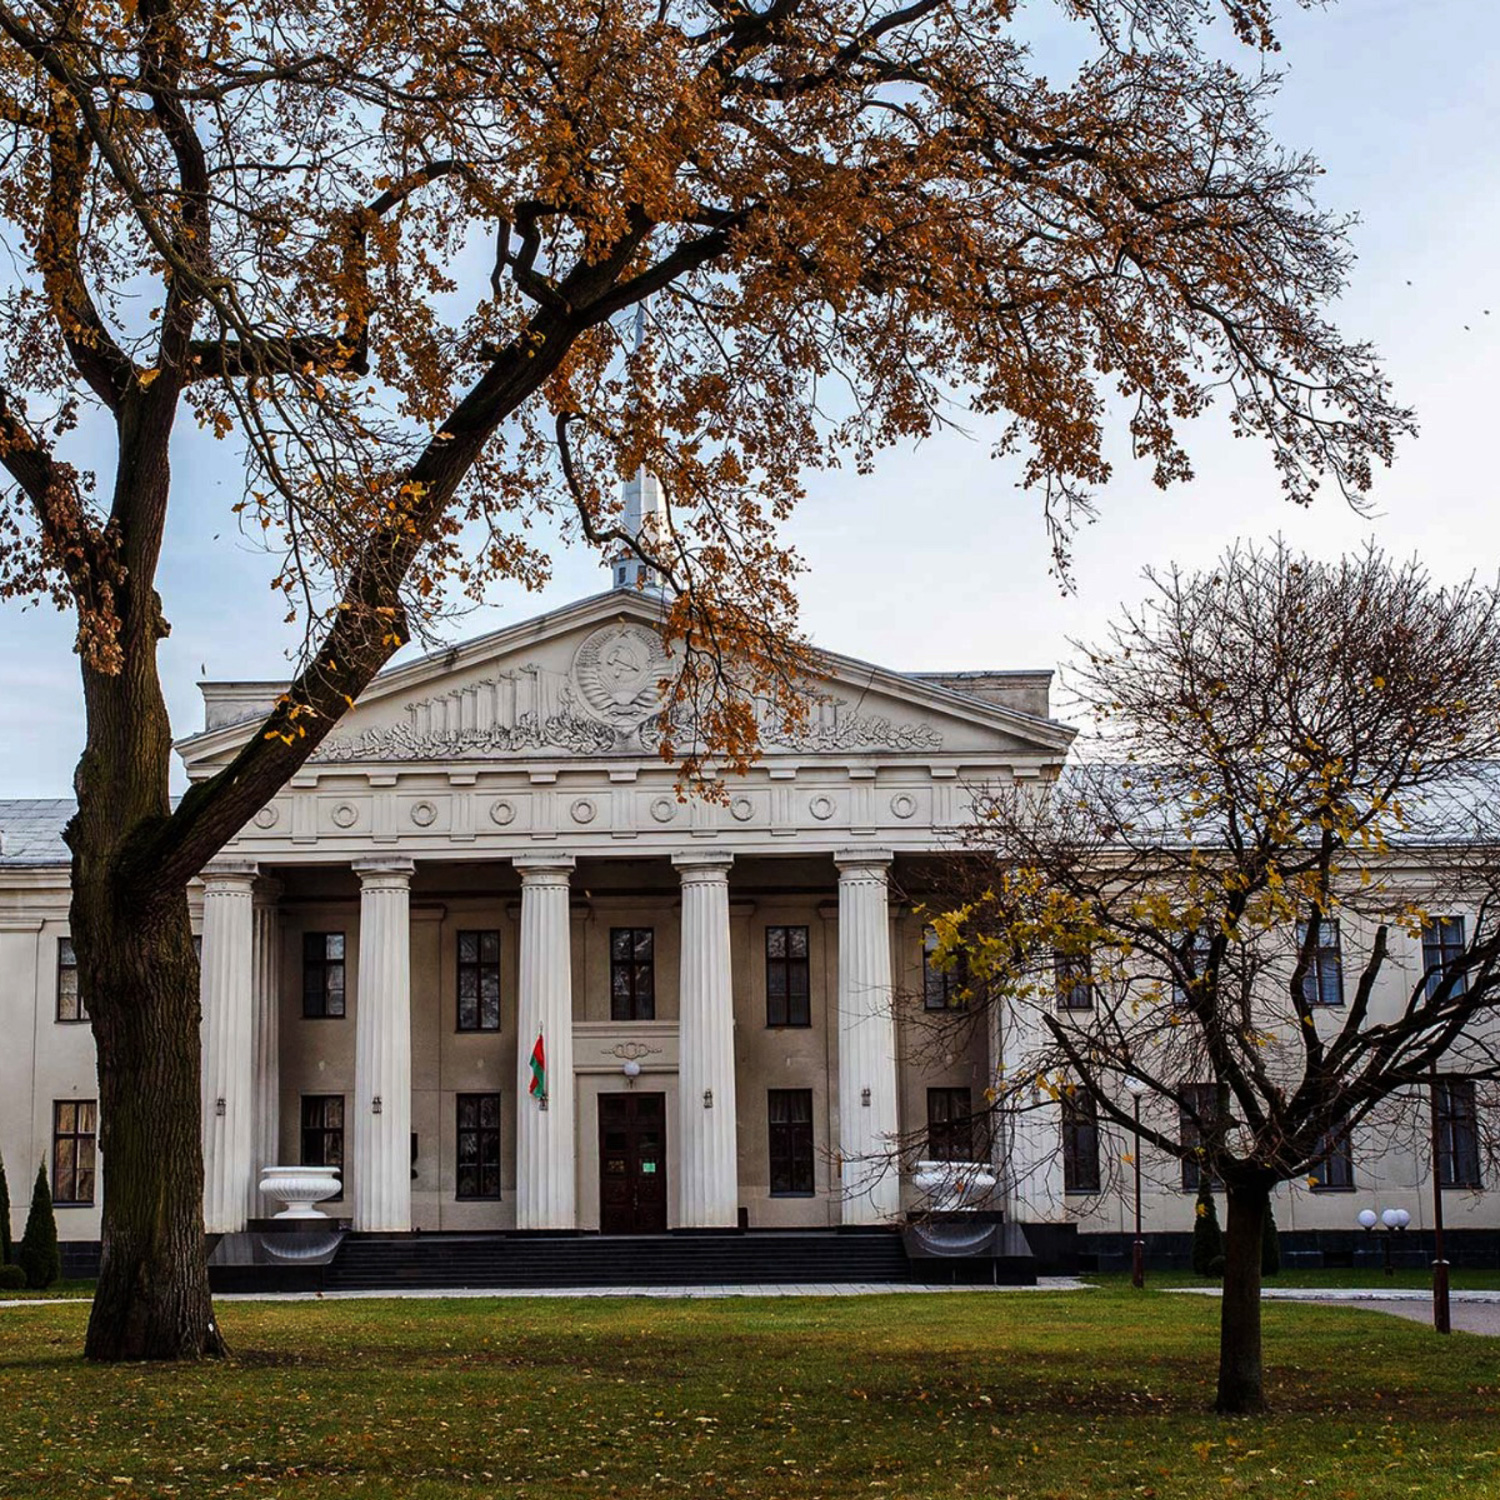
[146,378]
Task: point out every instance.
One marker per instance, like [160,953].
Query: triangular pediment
[582,682]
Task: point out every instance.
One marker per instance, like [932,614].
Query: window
[790,1114]
[1323,984]
[1080,1139]
[478,1146]
[788,988]
[632,974]
[322,978]
[1194,960]
[1200,1100]
[950,1125]
[942,989]
[1442,949]
[69,1001]
[479,981]
[1333,1172]
[1075,990]
[1457,1133]
[323,1131]
[74,1128]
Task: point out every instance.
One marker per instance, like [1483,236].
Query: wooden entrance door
[632,1163]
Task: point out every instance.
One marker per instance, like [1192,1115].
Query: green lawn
[1073,1396]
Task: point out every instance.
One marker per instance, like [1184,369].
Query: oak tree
[1270,894]
[391,253]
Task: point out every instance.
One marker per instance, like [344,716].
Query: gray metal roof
[31,831]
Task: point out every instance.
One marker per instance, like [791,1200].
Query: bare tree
[1293,793]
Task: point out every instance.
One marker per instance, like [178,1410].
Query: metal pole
[1138,1250]
[1441,1320]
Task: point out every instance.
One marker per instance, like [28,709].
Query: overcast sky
[938,561]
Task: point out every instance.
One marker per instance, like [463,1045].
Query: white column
[867,1041]
[708,1194]
[382,1047]
[1033,1166]
[228,1055]
[546,1150]
[265,968]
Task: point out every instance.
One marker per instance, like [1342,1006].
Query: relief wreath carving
[618,672]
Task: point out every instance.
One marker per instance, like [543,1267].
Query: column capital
[267,891]
[698,865]
[545,869]
[226,875]
[854,863]
[387,873]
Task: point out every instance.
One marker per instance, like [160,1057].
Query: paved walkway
[794,1289]
[1468,1312]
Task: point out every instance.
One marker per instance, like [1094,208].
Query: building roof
[31,830]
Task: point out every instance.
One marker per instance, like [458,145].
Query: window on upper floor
[75,1124]
[1333,1172]
[1075,985]
[1323,983]
[789,1113]
[1457,1108]
[478,1174]
[632,974]
[942,988]
[1442,949]
[1194,961]
[1080,1142]
[323,976]
[70,1006]
[788,977]
[479,981]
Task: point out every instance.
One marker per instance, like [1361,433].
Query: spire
[642,504]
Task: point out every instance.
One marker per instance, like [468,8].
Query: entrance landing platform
[589,1262]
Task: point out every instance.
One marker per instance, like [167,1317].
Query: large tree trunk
[1241,1386]
[153,1298]
[137,970]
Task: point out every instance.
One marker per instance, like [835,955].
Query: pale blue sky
[937,560]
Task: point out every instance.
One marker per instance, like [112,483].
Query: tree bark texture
[1241,1384]
[153,1299]
[138,973]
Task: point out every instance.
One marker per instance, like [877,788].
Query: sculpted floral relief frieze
[605,703]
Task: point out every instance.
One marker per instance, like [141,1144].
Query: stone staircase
[371,1262]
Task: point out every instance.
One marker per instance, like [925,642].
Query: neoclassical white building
[483,958]
[489,855]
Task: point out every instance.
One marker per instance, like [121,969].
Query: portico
[400,1058]
[484,910]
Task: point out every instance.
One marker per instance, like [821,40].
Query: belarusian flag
[539,1070]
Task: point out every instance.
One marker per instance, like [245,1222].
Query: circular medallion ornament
[664,809]
[902,805]
[346,815]
[423,814]
[821,808]
[584,810]
[617,671]
[742,809]
[502,812]
[267,817]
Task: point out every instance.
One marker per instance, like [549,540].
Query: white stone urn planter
[954,1185]
[299,1188]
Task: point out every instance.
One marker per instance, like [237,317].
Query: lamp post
[1394,1219]
[1441,1320]
[1138,1249]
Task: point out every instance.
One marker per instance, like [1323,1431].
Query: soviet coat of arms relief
[617,675]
